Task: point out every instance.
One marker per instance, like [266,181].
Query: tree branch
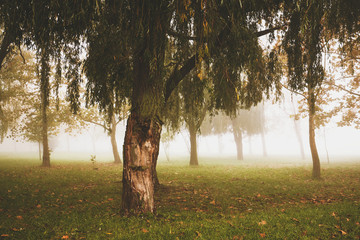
[293,91]
[344,89]
[178,74]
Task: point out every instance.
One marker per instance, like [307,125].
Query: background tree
[93,116]
[344,76]
[16,78]
[310,23]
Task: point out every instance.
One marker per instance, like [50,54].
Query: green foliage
[211,201]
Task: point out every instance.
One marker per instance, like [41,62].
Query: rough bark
[314,153]
[114,145]
[141,150]
[193,146]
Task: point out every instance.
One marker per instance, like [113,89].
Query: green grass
[212,201]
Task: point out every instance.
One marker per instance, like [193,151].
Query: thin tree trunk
[39,150]
[141,150]
[298,134]
[193,146]
[166,150]
[239,144]
[115,150]
[263,142]
[45,141]
[299,138]
[238,139]
[316,174]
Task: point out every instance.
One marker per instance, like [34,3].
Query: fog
[333,143]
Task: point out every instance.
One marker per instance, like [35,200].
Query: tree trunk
[115,150]
[193,146]
[314,153]
[239,145]
[299,138]
[39,150]
[263,143]
[45,141]
[141,150]
[237,132]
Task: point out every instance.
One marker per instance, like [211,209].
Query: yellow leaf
[144,230]
[212,202]
[262,235]
[343,232]
[65,237]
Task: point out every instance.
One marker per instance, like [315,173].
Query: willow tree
[310,24]
[129,51]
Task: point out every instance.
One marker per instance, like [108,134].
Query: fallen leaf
[19,217]
[212,202]
[333,214]
[144,230]
[357,223]
[38,206]
[65,237]
[108,233]
[110,199]
[262,235]
[343,232]
[296,220]
[263,222]
[5,235]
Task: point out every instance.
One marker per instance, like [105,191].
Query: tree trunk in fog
[115,150]
[220,145]
[193,146]
[166,150]
[314,153]
[39,150]
[299,138]
[237,132]
[263,143]
[45,141]
[141,150]
[239,145]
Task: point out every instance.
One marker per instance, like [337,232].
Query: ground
[221,199]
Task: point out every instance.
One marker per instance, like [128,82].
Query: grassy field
[222,199]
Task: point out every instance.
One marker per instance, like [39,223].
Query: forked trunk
[193,146]
[116,154]
[314,153]
[141,150]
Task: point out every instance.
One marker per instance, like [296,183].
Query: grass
[213,201]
